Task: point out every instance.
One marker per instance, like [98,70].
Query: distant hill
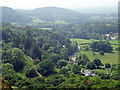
[52,14]
[97,10]
[10,15]
[55,13]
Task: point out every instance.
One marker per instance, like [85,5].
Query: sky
[32,4]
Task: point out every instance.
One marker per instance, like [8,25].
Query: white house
[107,35]
[89,73]
[113,38]
[63,46]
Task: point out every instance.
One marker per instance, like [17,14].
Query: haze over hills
[10,15]
[55,13]
[50,14]
[97,10]
[54,47]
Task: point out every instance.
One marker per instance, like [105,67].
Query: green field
[60,22]
[37,20]
[115,42]
[81,41]
[111,58]
[85,41]
[45,29]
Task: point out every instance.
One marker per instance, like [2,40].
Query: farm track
[73,56]
[34,66]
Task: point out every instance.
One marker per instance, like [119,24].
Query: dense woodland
[48,59]
[37,55]
[93,30]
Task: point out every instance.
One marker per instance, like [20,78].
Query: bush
[107,65]
[16,57]
[76,69]
[97,62]
[101,53]
[45,67]
[61,63]
[101,46]
[30,71]
[36,61]
[82,59]
[91,65]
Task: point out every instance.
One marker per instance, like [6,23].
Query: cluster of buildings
[112,38]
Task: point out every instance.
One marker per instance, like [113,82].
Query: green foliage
[97,62]
[68,67]
[91,65]
[7,69]
[85,48]
[27,42]
[46,46]
[50,50]
[30,71]
[55,79]
[101,53]
[64,53]
[93,30]
[61,63]
[82,59]
[10,75]
[6,34]
[107,65]
[76,69]
[64,71]
[15,56]
[104,75]
[101,46]
[54,57]
[36,61]
[34,83]
[45,67]
[36,52]
[7,66]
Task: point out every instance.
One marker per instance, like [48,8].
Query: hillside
[51,14]
[59,48]
[10,15]
[55,13]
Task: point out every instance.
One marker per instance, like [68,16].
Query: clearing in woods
[111,58]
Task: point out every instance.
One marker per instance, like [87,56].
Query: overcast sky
[31,4]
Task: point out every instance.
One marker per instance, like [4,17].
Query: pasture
[37,20]
[111,58]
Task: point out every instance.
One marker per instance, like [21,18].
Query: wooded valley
[38,47]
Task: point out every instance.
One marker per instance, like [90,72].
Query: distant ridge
[10,15]
[51,14]
[56,13]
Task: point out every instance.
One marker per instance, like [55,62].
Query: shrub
[101,52]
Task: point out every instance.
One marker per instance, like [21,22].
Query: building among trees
[89,73]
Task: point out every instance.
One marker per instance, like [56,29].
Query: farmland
[111,58]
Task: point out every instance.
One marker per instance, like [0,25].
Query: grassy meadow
[37,20]
[50,29]
[111,58]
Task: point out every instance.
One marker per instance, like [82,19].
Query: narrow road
[34,66]
[29,58]
[38,73]
[73,56]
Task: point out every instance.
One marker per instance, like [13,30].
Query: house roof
[89,72]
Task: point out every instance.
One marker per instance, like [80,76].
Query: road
[40,75]
[73,56]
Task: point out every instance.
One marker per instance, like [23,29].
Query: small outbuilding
[89,73]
